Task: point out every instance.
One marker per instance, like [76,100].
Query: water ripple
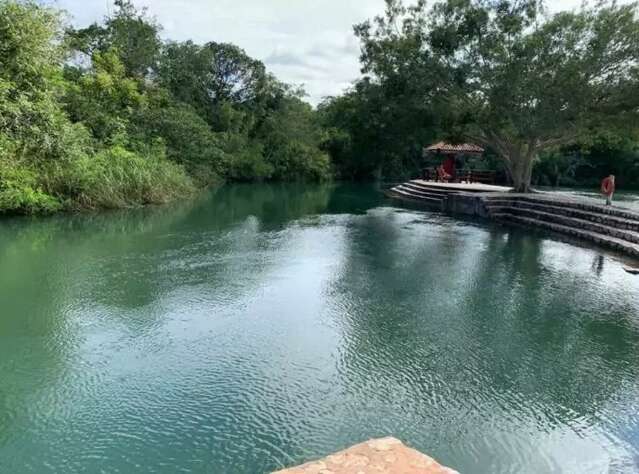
[241,342]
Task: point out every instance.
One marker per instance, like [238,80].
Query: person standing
[608,188]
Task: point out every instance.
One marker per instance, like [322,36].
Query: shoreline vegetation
[113,116]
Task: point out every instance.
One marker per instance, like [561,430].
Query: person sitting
[442,175]
[449,167]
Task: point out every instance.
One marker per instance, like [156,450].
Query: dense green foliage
[503,74]
[112,116]
[377,130]
[585,164]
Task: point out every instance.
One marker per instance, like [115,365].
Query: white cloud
[306,42]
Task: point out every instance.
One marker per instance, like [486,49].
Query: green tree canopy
[128,31]
[32,121]
[377,128]
[211,75]
[112,116]
[509,76]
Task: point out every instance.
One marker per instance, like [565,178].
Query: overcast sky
[307,42]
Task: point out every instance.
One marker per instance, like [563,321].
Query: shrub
[20,192]
[245,160]
[116,178]
[300,161]
[188,138]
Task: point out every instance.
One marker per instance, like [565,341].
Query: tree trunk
[378,173]
[520,167]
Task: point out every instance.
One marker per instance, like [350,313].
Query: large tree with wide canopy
[510,76]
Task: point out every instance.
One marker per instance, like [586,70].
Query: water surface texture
[263,326]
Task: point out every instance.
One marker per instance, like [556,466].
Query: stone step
[406,195]
[595,237]
[420,192]
[431,189]
[421,188]
[612,221]
[584,224]
[544,199]
[500,200]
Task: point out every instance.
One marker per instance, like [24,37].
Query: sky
[303,42]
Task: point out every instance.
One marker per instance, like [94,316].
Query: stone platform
[379,456]
[465,187]
[581,219]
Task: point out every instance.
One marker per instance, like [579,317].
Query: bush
[299,161]
[20,192]
[188,138]
[245,160]
[117,178]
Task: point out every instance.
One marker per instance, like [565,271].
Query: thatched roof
[463,148]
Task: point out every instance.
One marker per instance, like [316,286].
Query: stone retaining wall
[606,226]
[470,204]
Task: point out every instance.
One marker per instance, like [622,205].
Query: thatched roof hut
[449,149]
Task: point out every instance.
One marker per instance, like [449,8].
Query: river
[261,326]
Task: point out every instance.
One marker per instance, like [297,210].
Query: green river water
[261,326]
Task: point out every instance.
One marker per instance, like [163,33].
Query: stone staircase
[611,227]
[420,192]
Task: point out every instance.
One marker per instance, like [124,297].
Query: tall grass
[118,178]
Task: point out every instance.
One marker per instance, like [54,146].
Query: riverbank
[109,132]
[608,226]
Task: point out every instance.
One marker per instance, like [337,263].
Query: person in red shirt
[449,165]
[608,188]
[442,175]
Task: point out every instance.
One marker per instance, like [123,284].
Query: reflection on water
[262,326]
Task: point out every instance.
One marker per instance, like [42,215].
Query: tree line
[112,115]
[554,98]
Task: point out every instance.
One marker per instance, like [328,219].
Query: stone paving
[379,456]
[468,187]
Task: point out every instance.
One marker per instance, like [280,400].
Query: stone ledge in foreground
[378,456]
